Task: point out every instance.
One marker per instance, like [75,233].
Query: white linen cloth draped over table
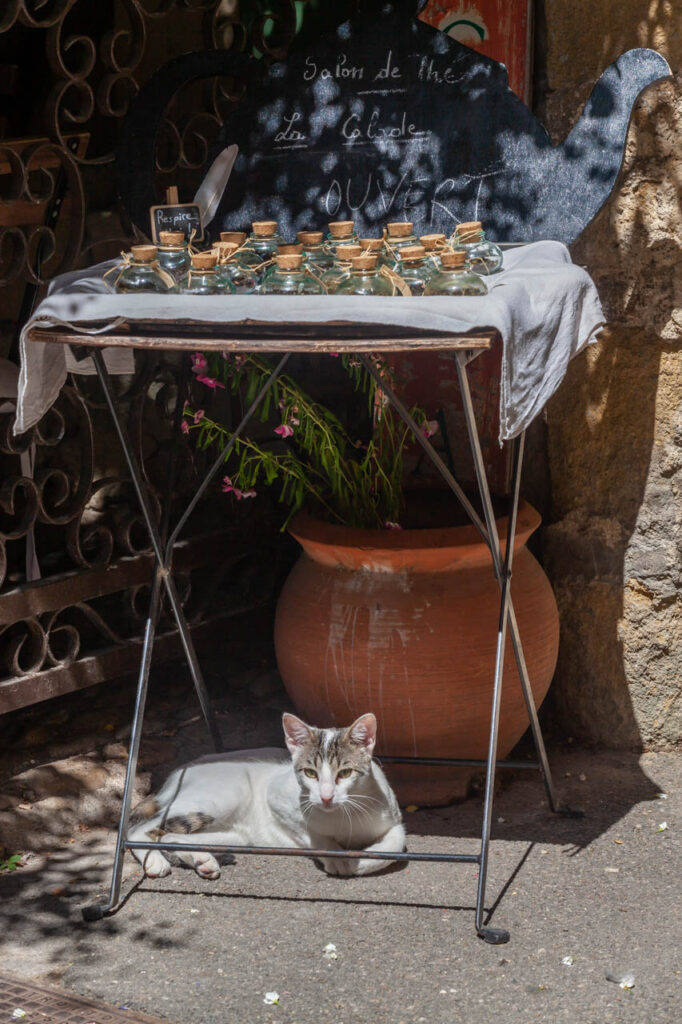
[545,308]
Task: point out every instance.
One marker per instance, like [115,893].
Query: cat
[329,794]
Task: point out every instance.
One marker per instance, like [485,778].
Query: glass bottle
[316,255]
[264,239]
[341,266]
[202,277]
[173,254]
[454,277]
[290,277]
[484,257]
[247,257]
[399,234]
[229,268]
[342,232]
[414,268]
[364,279]
[142,274]
[433,244]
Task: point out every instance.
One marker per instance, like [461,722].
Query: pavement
[585,900]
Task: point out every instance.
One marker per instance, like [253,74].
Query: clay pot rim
[313,533]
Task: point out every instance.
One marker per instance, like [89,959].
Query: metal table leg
[507,617]
[162,578]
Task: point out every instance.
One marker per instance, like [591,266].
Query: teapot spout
[590,158]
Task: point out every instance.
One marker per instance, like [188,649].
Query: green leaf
[12,863]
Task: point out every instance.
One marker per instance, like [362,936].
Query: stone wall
[613,546]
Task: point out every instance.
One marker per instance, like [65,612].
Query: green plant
[12,863]
[312,457]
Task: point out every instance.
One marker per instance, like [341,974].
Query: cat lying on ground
[328,795]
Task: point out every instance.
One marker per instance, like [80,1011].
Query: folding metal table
[281,340]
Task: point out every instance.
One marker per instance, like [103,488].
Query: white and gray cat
[329,795]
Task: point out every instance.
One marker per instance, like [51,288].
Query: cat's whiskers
[349,816]
[359,809]
[366,796]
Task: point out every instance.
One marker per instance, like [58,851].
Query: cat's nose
[326,800]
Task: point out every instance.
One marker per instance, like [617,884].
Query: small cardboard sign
[184,217]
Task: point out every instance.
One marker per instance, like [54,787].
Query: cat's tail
[152,824]
[182,824]
[147,808]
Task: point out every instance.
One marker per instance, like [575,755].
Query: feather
[210,192]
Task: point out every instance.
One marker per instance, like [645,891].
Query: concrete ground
[584,900]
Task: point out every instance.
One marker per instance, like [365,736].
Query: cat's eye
[345,773]
[310,772]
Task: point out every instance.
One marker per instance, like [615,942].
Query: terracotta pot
[404,624]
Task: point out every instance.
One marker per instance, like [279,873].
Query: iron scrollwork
[74,557]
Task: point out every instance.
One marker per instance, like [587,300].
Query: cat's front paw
[155,865]
[206,865]
[339,866]
[371,866]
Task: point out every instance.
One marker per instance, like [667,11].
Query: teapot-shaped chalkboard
[389,119]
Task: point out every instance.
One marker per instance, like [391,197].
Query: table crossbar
[286,851]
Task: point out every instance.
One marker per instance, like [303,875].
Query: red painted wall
[498,28]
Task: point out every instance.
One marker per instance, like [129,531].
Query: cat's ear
[363,731]
[296,733]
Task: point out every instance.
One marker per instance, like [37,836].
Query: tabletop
[255,336]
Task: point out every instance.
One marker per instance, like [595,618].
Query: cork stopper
[399,228]
[225,249]
[236,237]
[310,237]
[264,228]
[203,260]
[341,228]
[431,242]
[290,261]
[143,253]
[171,237]
[469,230]
[364,262]
[290,249]
[412,252]
[347,252]
[372,244]
[453,260]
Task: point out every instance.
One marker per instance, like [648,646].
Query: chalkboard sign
[390,119]
[184,217]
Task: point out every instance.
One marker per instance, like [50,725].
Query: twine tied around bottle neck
[468,233]
[396,280]
[313,273]
[128,261]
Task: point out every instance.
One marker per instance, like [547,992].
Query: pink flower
[430,428]
[294,422]
[199,363]
[392,526]
[210,382]
[239,494]
[199,415]
[184,427]
[284,430]
[334,355]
